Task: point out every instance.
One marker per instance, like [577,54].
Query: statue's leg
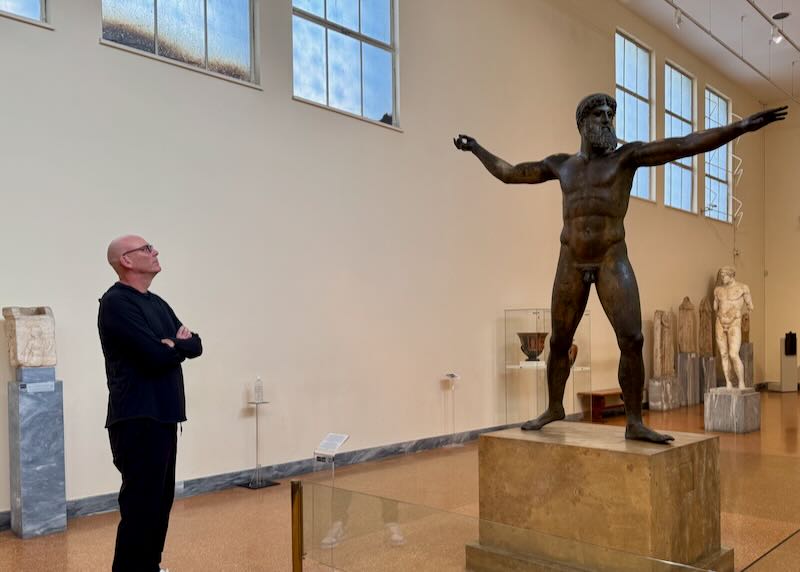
[619,295]
[734,345]
[722,345]
[570,293]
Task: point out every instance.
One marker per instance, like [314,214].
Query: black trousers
[144,452]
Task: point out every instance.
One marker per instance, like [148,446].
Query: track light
[776,37]
[678,18]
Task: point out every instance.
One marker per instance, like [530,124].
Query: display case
[527,346]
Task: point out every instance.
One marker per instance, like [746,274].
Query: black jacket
[144,374]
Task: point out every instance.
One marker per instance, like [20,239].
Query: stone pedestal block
[578,496]
[746,355]
[689,377]
[708,375]
[732,410]
[664,393]
[36,452]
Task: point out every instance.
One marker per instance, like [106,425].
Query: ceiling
[734,36]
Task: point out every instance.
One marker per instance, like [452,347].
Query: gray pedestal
[665,393]
[732,410]
[708,375]
[36,452]
[746,354]
[689,377]
[788,380]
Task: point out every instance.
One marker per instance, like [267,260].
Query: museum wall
[348,264]
[782,235]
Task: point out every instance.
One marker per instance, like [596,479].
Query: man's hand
[465,143]
[764,118]
[168,342]
[184,333]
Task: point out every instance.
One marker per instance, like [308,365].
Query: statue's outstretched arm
[666,150]
[530,172]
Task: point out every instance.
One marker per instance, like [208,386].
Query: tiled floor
[243,530]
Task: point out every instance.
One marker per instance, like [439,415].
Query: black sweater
[144,374]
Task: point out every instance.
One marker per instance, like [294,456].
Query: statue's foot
[729,385]
[639,432]
[547,417]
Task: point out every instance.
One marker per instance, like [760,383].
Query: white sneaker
[396,537]
[335,535]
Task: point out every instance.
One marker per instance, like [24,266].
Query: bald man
[143,344]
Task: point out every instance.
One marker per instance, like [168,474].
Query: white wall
[348,264]
[782,231]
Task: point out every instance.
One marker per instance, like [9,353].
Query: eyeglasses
[147,249]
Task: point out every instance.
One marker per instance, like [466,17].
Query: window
[344,55]
[678,119]
[33,9]
[633,102]
[214,35]
[717,177]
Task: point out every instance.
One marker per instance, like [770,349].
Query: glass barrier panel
[355,532]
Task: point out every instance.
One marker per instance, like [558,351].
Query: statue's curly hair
[589,102]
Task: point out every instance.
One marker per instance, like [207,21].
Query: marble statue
[663,345]
[705,342]
[596,188]
[31,334]
[687,327]
[731,301]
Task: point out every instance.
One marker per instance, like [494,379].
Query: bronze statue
[596,185]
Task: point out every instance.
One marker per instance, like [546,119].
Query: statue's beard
[602,137]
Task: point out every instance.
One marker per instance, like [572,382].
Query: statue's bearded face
[598,128]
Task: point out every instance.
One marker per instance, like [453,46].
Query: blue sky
[343,73]
[27,8]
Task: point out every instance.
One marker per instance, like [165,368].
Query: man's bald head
[120,245]
[131,256]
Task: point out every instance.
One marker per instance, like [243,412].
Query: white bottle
[258,390]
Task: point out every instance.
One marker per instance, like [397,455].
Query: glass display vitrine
[527,346]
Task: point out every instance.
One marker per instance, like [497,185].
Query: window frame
[253,82]
[729,152]
[42,22]
[692,127]
[650,101]
[392,47]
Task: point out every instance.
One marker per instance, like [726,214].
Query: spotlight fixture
[781,15]
[678,18]
[776,37]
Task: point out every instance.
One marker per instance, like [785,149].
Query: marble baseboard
[191,487]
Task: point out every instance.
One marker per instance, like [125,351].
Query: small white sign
[331,443]
[41,387]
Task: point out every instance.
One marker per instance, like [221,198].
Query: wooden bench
[598,401]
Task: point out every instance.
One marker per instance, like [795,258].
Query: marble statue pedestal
[664,393]
[581,496]
[788,380]
[689,376]
[733,410]
[708,375]
[36,453]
